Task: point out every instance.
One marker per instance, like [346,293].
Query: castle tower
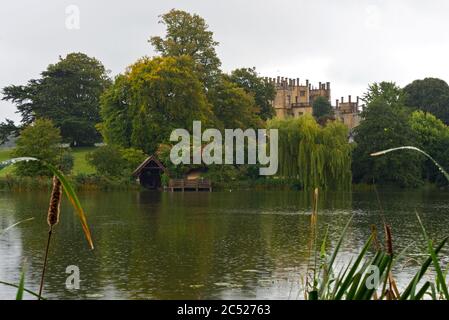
[294,98]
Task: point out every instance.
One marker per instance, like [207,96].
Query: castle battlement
[294,99]
[348,111]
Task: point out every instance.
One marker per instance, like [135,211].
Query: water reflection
[199,245]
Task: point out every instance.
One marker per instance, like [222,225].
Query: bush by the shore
[81,182]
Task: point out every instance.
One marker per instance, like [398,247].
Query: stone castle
[294,99]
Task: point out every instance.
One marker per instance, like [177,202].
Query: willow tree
[317,156]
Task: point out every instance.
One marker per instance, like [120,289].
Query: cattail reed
[54,210]
[388,239]
[55,203]
[375,239]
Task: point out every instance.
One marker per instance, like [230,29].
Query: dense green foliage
[233,107]
[385,125]
[385,91]
[188,34]
[113,161]
[159,94]
[432,135]
[42,141]
[429,95]
[68,93]
[322,109]
[320,157]
[262,91]
[151,99]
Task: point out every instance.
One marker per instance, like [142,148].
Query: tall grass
[369,276]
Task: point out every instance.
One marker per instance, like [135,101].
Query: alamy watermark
[72,20]
[261,147]
[72,282]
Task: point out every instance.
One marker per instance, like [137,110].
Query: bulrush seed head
[55,203]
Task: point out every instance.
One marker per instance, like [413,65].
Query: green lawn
[79,154]
[5,154]
[80,165]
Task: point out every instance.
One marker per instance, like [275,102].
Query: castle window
[302,93]
[296,99]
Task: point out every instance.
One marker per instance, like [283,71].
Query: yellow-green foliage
[317,156]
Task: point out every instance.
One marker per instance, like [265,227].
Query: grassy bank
[83,176]
[80,165]
[5,154]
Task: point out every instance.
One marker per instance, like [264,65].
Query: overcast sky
[349,43]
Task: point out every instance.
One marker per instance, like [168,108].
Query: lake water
[217,245]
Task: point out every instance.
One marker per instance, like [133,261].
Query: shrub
[66,161]
[40,140]
[115,162]
[107,160]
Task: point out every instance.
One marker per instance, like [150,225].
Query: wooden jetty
[189,185]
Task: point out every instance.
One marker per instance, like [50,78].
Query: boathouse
[149,173]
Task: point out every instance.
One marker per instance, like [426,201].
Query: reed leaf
[349,277]
[354,284]
[15,225]
[418,276]
[337,247]
[382,263]
[422,291]
[21,287]
[436,264]
[17,287]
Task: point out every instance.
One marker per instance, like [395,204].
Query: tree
[7,129]
[429,95]
[151,99]
[40,140]
[67,93]
[133,157]
[321,108]
[432,137]
[320,157]
[389,92]
[233,107]
[262,91]
[107,160]
[117,112]
[385,125]
[188,34]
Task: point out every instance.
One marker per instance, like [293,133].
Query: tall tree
[385,125]
[433,137]
[262,91]
[429,95]
[188,34]
[322,109]
[388,92]
[67,93]
[233,107]
[151,99]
